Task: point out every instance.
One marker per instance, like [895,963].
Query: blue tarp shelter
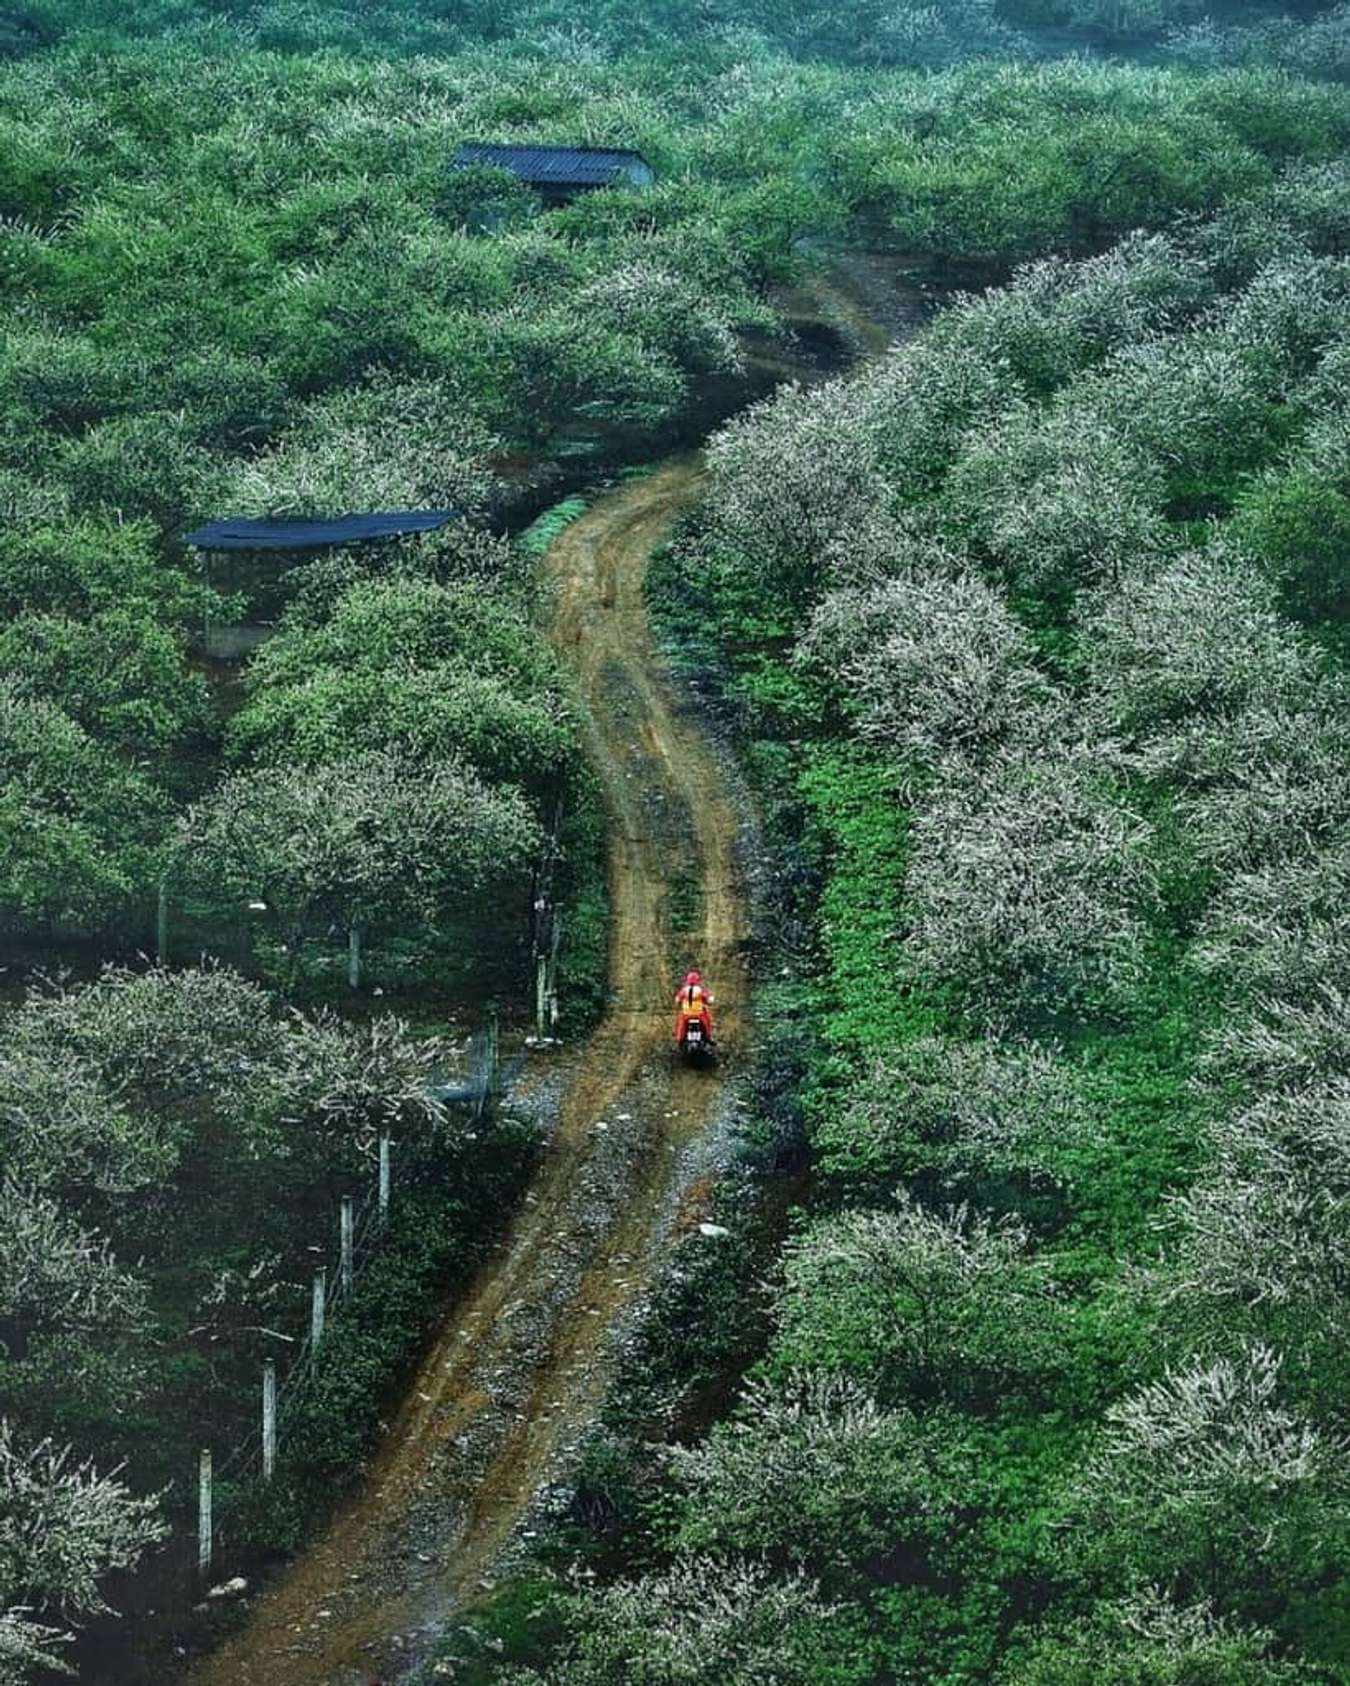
[254,579]
[301,534]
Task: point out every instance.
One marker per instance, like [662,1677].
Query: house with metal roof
[559,173]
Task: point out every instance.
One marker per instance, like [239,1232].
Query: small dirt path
[518,1367]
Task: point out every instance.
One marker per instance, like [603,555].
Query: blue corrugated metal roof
[567,166]
[242,534]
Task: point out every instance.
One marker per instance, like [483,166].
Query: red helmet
[693,978]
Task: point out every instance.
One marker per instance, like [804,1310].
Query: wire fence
[362,1225]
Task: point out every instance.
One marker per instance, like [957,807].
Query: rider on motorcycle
[693,1002]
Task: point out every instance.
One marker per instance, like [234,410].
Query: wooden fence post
[204,1512]
[316,1308]
[346,1232]
[385,1178]
[269,1422]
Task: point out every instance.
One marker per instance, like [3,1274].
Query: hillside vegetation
[1036,632]
[1033,639]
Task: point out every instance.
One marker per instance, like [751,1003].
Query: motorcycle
[693,1036]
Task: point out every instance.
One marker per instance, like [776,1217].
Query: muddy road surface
[519,1366]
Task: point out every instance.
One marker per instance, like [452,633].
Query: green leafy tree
[79,832]
[427,714]
[407,665]
[91,566]
[484,199]
[121,675]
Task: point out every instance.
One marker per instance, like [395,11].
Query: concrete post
[347,1233]
[316,1308]
[269,1422]
[162,924]
[204,1512]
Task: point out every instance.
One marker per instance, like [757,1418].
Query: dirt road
[519,1366]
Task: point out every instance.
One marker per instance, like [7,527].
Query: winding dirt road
[520,1365]
[518,1368]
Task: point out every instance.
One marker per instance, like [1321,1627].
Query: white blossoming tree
[707,1621]
[1280,931]
[1148,1640]
[1283,1045]
[1261,1244]
[63,1526]
[388,445]
[972,1108]
[57,1276]
[1029,887]
[1208,1478]
[935,665]
[356,841]
[911,1301]
[1263,786]
[1058,501]
[787,481]
[1197,637]
[813,1471]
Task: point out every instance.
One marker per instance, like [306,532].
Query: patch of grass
[541,533]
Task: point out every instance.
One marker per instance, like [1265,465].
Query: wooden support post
[346,1230]
[385,1178]
[204,1512]
[269,1423]
[354,957]
[316,1308]
[162,924]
